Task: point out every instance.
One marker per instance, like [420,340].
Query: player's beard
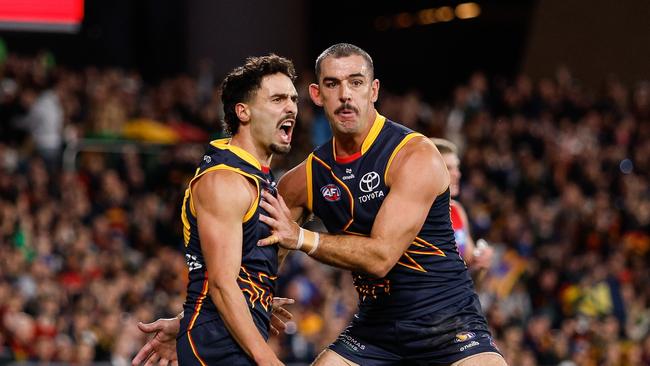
[280,149]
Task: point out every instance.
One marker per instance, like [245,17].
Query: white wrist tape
[301,239]
[316,241]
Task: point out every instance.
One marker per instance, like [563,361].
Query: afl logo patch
[331,192]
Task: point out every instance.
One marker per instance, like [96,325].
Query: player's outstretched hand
[483,254]
[284,231]
[161,348]
[280,316]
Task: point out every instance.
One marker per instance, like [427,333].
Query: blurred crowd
[556,178]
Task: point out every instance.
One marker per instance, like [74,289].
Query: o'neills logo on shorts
[331,192]
[469,345]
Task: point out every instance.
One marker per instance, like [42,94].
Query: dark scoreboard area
[428,45]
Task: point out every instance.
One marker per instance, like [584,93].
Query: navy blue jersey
[259,265]
[346,195]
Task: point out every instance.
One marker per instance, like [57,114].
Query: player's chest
[351,191]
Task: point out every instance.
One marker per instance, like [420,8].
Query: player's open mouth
[286,129]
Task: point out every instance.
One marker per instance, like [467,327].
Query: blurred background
[106,108]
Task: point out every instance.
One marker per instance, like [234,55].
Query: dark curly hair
[242,83]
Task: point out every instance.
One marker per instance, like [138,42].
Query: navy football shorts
[210,343]
[436,339]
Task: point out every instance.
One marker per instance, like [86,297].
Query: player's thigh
[482,359]
[331,358]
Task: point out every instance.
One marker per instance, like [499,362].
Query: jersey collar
[377,125]
[224,144]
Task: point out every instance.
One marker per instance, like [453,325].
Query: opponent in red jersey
[477,255]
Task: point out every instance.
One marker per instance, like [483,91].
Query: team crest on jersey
[464,337]
[331,192]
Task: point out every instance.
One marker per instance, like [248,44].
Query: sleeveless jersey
[460,231]
[259,266]
[347,195]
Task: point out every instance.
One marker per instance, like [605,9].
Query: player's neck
[260,154]
[349,144]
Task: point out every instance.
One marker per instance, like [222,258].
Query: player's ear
[243,112]
[375,90]
[314,94]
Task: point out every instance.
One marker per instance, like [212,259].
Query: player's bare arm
[416,177]
[221,200]
[293,188]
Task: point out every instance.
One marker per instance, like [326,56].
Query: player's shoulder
[224,188]
[396,127]
[419,159]
[416,150]
[294,181]
[229,180]
[296,174]
[419,142]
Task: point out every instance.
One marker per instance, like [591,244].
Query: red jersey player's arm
[468,255]
[479,261]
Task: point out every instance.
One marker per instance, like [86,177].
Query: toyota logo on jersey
[369,182]
[331,192]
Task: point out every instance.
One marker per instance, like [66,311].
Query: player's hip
[440,337]
[210,343]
